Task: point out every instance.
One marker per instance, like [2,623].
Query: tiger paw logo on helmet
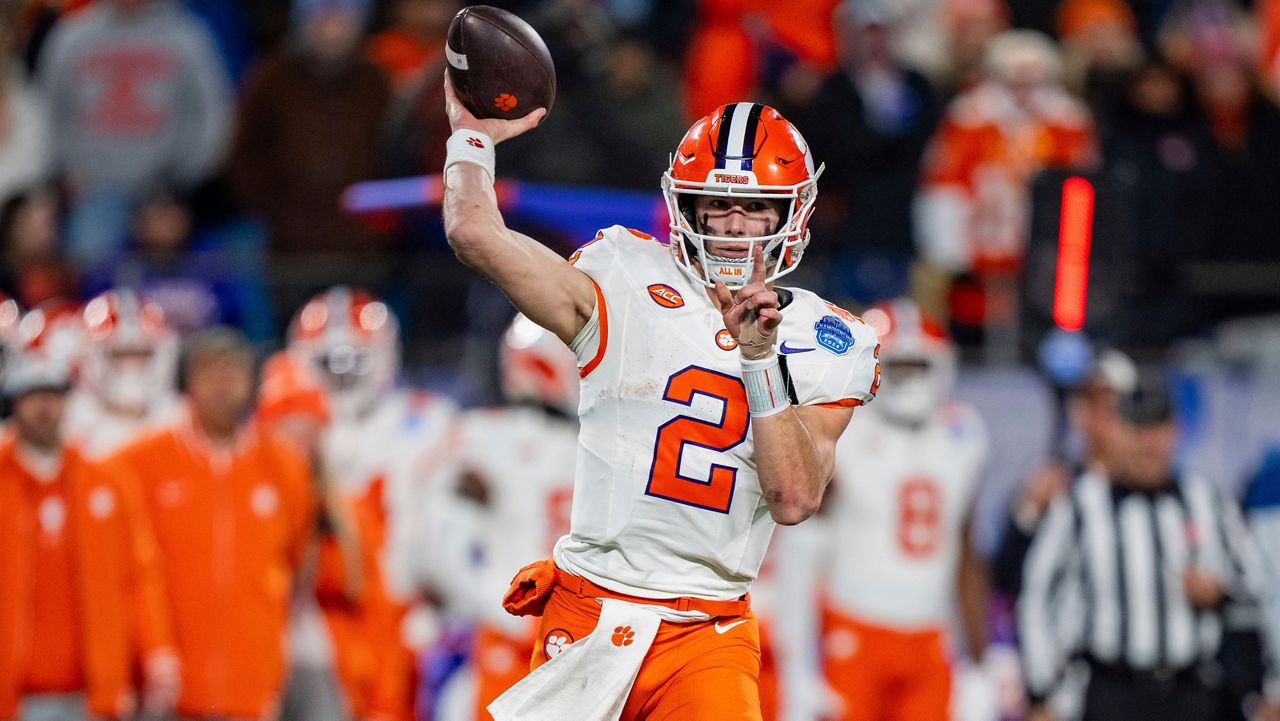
[556,642]
[623,636]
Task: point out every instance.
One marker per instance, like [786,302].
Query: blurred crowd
[195,534]
[199,151]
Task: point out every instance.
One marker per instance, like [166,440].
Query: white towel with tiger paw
[592,678]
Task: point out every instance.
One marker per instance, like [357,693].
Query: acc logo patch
[725,340]
[666,296]
[832,334]
[556,642]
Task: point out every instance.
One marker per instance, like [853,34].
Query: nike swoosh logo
[729,626]
[789,350]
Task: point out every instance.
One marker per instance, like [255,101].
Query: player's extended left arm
[795,458]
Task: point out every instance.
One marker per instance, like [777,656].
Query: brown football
[499,65]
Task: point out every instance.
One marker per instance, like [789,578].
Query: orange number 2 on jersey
[919,517]
[716,492]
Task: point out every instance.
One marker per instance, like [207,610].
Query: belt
[1162,675]
[580,586]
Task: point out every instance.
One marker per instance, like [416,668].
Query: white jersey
[407,447]
[666,498]
[526,461]
[97,433]
[897,515]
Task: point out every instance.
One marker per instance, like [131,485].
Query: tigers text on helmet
[740,151]
[352,340]
[917,358]
[131,357]
[537,366]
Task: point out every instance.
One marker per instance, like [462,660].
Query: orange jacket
[124,617]
[985,153]
[231,525]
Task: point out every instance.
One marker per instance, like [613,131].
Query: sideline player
[128,380]
[392,450]
[519,461]
[901,555]
[389,447]
[711,405]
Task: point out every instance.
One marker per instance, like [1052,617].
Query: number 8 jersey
[666,499]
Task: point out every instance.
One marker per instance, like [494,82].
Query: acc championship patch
[832,334]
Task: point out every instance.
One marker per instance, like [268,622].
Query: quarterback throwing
[711,404]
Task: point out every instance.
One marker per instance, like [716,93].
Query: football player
[519,462]
[394,451]
[127,381]
[391,447]
[900,545]
[711,404]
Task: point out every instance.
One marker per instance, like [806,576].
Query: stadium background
[1186,224]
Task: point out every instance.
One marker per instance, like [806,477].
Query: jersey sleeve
[832,357]
[599,259]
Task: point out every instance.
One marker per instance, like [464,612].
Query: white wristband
[766,388]
[470,146]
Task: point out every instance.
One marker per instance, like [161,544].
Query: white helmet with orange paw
[917,361]
[352,340]
[740,151]
[537,366]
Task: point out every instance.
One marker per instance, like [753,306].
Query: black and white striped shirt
[1104,578]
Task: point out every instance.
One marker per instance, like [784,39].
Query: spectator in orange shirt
[232,508]
[972,208]
[83,603]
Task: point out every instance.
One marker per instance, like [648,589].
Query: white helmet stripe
[739,118]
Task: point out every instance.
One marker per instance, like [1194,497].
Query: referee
[1132,571]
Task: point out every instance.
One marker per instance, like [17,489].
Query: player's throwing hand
[752,314]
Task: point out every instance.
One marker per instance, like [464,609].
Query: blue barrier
[578,210]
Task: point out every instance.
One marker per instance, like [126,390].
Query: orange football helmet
[352,340]
[741,150]
[917,359]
